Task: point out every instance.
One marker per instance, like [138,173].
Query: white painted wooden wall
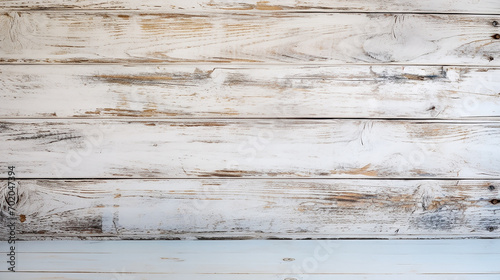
[372,122]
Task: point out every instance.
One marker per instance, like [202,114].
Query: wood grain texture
[251,148]
[264,259]
[215,91]
[429,6]
[253,209]
[306,38]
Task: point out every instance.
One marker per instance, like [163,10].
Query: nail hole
[491,58]
[495,23]
[288,259]
[490,229]
[491,187]
[431,108]
[494,201]
[496,36]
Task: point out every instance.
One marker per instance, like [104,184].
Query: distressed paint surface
[208,91]
[213,119]
[254,209]
[251,148]
[253,119]
[306,38]
[428,6]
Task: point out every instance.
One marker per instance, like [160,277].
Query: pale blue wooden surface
[258,259]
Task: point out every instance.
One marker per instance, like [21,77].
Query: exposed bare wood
[207,91]
[429,6]
[253,209]
[251,148]
[107,37]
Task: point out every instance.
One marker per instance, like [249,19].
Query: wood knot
[494,23]
[491,187]
[288,259]
[491,228]
[494,201]
[496,36]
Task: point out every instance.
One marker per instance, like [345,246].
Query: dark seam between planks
[225,11]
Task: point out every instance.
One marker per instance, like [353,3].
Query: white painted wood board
[251,148]
[254,209]
[305,38]
[271,91]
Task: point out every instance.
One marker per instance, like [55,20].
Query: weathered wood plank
[209,91]
[107,37]
[253,209]
[429,6]
[277,259]
[74,148]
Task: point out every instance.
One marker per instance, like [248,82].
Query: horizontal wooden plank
[252,209]
[207,91]
[107,37]
[73,148]
[189,247]
[279,259]
[441,6]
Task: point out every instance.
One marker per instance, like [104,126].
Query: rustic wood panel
[429,6]
[268,259]
[107,37]
[253,209]
[207,91]
[104,162]
[250,148]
